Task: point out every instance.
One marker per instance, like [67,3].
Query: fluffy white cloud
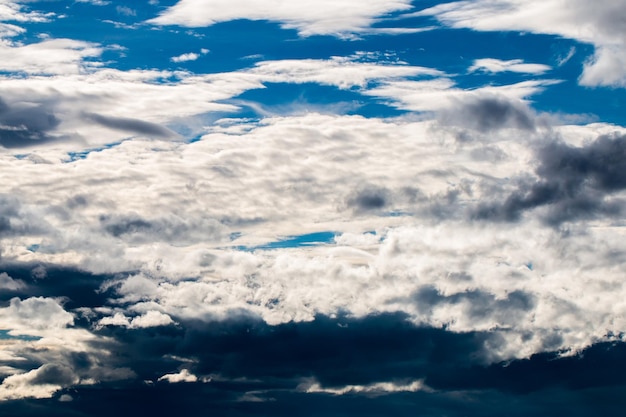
[8,283]
[151,318]
[191,56]
[38,383]
[53,56]
[597,23]
[35,313]
[415,183]
[325,17]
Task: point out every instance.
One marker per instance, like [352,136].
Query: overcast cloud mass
[305,208]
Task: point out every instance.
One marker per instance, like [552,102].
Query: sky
[305,208]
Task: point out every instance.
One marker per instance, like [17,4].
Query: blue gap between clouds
[308,240]
[75,156]
[4,335]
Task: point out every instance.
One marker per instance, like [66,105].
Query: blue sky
[339,207]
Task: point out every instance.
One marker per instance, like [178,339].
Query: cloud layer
[221,216]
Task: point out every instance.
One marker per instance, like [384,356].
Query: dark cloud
[55,374]
[131,125]
[259,369]
[77,288]
[369,198]
[123,226]
[478,304]
[23,125]
[486,114]
[573,183]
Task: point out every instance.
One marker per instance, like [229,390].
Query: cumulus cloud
[35,313]
[38,383]
[338,18]
[191,56]
[149,319]
[597,24]
[10,284]
[574,182]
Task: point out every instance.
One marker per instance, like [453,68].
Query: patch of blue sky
[78,155]
[305,240]
[5,335]
[286,98]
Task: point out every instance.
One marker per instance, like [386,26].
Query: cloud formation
[596,24]
[338,18]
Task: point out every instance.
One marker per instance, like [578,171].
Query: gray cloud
[369,198]
[574,183]
[486,114]
[23,125]
[131,125]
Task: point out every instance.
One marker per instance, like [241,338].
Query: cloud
[598,25]
[23,124]
[515,65]
[48,57]
[574,182]
[9,284]
[13,12]
[36,313]
[125,11]
[149,319]
[38,383]
[338,18]
[489,113]
[375,389]
[131,125]
[182,376]
[185,57]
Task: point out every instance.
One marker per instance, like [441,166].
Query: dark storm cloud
[573,183]
[131,125]
[250,359]
[486,114]
[23,125]
[77,288]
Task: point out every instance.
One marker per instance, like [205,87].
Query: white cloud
[597,23]
[119,101]
[11,11]
[440,94]
[151,318]
[514,65]
[182,376]
[50,57]
[38,383]
[325,17]
[125,11]
[191,56]
[33,314]
[8,283]
[374,389]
